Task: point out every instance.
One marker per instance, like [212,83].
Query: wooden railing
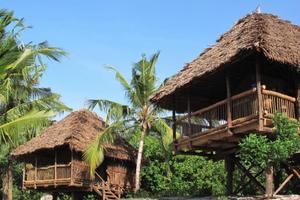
[50,174]
[276,102]
[243,106]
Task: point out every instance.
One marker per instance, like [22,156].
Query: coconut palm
[139,116]
[25,108]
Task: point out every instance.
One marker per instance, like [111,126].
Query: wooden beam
[283,184]
[228,101]
[259,92]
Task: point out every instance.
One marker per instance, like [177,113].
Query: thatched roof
[266,34]
[76,130]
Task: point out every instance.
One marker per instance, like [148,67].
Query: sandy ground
[280,197]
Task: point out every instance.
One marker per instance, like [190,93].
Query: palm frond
[114,110]
[94,155]
[10,131]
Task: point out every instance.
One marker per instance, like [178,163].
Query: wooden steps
[103,189]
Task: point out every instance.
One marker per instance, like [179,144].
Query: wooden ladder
[102,188]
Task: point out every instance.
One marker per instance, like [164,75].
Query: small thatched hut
[53,160]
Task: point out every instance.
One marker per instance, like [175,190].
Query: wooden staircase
[103,189]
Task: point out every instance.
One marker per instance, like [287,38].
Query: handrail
[234,97]
[280,95]
[52,166]
[98,176]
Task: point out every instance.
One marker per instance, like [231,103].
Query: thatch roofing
[276,39]
[76,130]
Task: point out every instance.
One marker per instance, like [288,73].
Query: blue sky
[97,32]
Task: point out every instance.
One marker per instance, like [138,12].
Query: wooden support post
[229,166]
[72,180]
[35,172]
[297,95]
[174,122]
[76,196]
[228,92]
[23,178]
[189,115]
[259,92]
[54,196]
[269,182]
[55,167]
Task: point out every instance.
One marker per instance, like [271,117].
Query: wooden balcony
[220,126]
[72,174]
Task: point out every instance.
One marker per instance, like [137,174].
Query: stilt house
[233,88]
[53,160]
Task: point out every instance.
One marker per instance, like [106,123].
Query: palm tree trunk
[7,182]
[139,162]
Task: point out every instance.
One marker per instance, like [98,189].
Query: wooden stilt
[269,182]
[54,196]
[229,166]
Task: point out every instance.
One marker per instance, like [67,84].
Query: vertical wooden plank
[174,122]
[23,178]
[189,115]
[72,167]
[55,167]
[297,95]
[228,92]
[35,172]
[259,93]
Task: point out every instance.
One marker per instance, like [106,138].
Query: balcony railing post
[35,172]
[23,178]
[297,103]
[228,92]
[259,93]
[189,115]
[55,167]
[174,122]
[71,175]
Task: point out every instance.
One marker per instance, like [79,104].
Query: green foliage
[190,176]
[263,151]
[177,176]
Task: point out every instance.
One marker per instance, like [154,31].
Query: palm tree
[25,108]
[139,116]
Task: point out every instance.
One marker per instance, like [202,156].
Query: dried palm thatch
[276,39]
[76,130]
